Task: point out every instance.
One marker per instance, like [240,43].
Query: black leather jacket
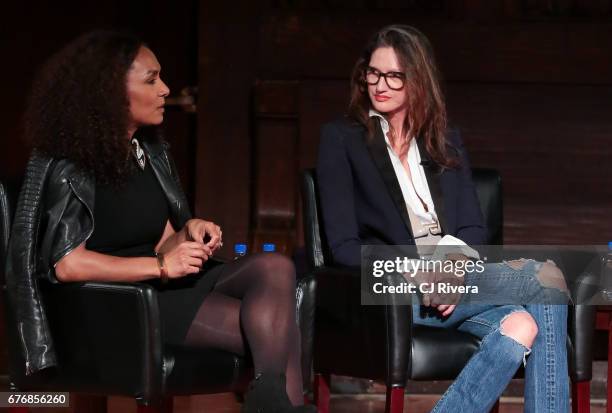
[54,215]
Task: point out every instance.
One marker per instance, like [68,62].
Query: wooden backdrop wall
[530,86]
[529,82]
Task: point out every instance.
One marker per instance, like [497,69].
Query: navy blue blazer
[362,202]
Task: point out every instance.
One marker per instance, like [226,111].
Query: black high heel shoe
[267,394]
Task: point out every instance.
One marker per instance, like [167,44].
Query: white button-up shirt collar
[413,189]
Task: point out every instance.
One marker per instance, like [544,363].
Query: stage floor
[225,403]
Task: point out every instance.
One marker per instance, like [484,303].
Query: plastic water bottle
[240,250]
[607,261]
[269,247]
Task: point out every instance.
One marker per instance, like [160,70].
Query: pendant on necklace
[138,154]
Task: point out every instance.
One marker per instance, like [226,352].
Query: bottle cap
[269,247]
[240,249]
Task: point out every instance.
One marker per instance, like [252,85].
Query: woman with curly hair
[114,211]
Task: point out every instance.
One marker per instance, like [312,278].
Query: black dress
[129,222]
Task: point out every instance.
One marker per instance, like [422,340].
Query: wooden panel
[321,101]
[276,99]
[521,89]
[223,151]
[275,157]
[176,50]
[34,37]
[286,144]
[37,30]
[551,143]
[275,178]
[546,224]
[542,51]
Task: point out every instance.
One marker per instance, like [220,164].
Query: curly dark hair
[78,108]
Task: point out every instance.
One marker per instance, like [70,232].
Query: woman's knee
[521,327]
[551,276]
[275,268]
[546,273]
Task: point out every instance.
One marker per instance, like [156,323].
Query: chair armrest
[107,336]
[398,319]
[306,296]
[382,332]
[581,327]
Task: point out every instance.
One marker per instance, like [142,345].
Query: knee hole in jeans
[516,264]
[549,275]
[521,327]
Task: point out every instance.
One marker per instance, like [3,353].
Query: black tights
[253,306]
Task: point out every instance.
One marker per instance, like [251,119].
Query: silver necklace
[138,153]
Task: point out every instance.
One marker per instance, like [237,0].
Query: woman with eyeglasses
[393,173]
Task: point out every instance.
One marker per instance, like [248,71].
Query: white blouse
[413,189]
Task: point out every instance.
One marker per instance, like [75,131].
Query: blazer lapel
[433,173]
[378,150]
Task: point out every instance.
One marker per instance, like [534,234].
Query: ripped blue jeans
[486,375]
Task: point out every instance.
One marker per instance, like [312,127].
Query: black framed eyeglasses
[395,80]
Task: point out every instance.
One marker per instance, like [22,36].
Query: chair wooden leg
[581,397]
[395,400]
[495,408]
[165,406]
[321,392]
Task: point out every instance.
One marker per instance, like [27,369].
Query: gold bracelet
[163,272]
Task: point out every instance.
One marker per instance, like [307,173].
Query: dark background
[529,82]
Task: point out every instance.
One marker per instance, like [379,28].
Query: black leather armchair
[379,342]
[107,340]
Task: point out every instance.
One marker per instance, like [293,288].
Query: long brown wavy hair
[426,117]
[78,108]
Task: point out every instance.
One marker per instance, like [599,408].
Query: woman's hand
[186,258]
[435,292]
[446,309]
[199,230]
